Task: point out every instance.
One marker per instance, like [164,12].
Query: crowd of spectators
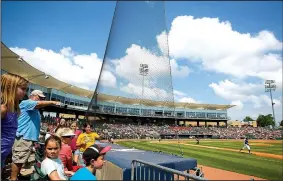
[130,131]
[135,131]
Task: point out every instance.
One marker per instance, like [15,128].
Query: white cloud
[179,93]
[67,52]
[243,92]
[188,100]
[78,69]
[162,41]
[157,83]
[232,91]
[148,93]
[220,48]
[157,94]
[180,96]
[239,105]
[179,71]
[267,100]
[128,66]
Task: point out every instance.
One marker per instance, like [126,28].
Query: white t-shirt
[49,165]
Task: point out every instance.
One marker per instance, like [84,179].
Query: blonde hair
[9,84]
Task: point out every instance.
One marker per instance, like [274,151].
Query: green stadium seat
[38,175]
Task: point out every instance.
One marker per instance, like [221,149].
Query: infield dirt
[211,173]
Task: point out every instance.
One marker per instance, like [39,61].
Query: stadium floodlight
[144,69]
[20,59]
[144,72]
[271,86]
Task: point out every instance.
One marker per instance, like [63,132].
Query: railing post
[165,170]
[133,171]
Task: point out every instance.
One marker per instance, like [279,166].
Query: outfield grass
[268,168]
[273,148]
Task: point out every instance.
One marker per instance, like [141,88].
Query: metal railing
[142,170]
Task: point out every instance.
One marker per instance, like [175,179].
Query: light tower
[271,86]
[144,72]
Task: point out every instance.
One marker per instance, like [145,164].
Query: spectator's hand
[83,143]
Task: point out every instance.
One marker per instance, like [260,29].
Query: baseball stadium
[160,132]
[128,124]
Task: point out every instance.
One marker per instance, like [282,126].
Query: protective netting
[136,72]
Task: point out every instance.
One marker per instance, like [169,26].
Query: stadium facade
[111,108]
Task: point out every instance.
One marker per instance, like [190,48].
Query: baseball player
[197,139]
[246,145]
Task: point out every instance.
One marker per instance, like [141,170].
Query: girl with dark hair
[85,140]
[52,166]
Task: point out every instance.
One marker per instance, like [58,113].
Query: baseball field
[221,159]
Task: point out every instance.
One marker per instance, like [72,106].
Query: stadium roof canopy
[13,63]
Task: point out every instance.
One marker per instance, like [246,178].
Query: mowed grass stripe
[235,140]
[195,152]
[239,144]
[232,161]
[214,160]
[223,152]
[265,149]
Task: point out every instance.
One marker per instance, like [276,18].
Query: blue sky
[197,77]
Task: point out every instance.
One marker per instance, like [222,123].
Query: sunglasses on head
[41,98]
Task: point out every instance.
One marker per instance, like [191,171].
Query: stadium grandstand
[119,118]
[112,109]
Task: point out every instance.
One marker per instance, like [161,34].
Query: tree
[265,120]
[281,123]
[247,119]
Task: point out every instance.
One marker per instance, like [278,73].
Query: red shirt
[74,140]
[66,157]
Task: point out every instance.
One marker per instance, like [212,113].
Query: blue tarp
[122,157]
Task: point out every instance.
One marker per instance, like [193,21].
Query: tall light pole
[115,108]
[144,72]
[270,86]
